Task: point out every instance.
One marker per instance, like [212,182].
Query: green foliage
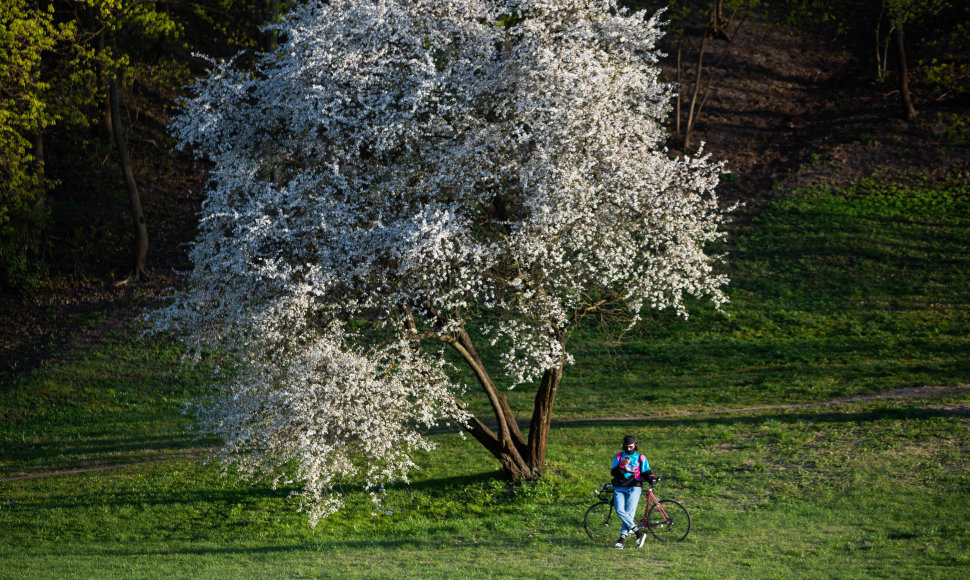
[903,11]
[936,32]
[956,127]
[115,37]
[26,34]
[237,23]
[55,64]
[945,68]
[53,73]
[810,12]
[947,77]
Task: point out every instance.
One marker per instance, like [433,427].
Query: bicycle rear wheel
[602,525]
[668,521]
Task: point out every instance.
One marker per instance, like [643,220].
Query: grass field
[834,294]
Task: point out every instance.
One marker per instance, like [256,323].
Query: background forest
[96,206]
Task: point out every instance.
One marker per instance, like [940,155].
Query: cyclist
[630,469]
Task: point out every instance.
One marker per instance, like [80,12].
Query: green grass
[867,489]
[834,294]
[120,403]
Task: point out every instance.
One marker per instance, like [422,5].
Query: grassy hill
[754,416]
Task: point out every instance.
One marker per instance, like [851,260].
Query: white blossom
[402,170]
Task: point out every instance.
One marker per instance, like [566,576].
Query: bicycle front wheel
[668,521]
[602,525]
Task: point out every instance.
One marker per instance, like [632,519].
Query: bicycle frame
[652,499]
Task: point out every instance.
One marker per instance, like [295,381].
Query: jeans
[625,500]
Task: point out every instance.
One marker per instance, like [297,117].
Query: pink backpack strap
[636,468]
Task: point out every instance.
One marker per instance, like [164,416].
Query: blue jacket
[629,475]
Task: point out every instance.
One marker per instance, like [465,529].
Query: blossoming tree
[401,176]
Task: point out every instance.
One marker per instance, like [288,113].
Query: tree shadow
[758,416]
[152,497]
[369,545]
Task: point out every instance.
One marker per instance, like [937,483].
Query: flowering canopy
[398,171]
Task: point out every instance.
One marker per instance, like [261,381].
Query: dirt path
[909,393]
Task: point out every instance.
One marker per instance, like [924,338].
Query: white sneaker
[641,538]
[619,543]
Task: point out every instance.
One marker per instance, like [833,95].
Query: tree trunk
[521,459]
[517,466]
[680,86]
[273,14]
[691,109]
[718,26]
[531,464]
[882,46]
[102,78]
[39,164]
[140,248]
[906,99]
[542,417]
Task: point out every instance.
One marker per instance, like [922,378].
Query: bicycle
[665,519]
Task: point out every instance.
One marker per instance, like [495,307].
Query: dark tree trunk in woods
[116,132]
[39,164]
[680,83]
[103,78]
[140,247]
[693,109]
[718,26]
[906,99]
[273,14]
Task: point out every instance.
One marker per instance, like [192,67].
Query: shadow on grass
[450,483]
[442,540]
[67,454]
[154,497]
[741,371]
[760,416]
[158,495]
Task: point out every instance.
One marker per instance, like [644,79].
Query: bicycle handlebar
[604,487]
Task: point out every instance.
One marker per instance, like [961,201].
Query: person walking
[630,469]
